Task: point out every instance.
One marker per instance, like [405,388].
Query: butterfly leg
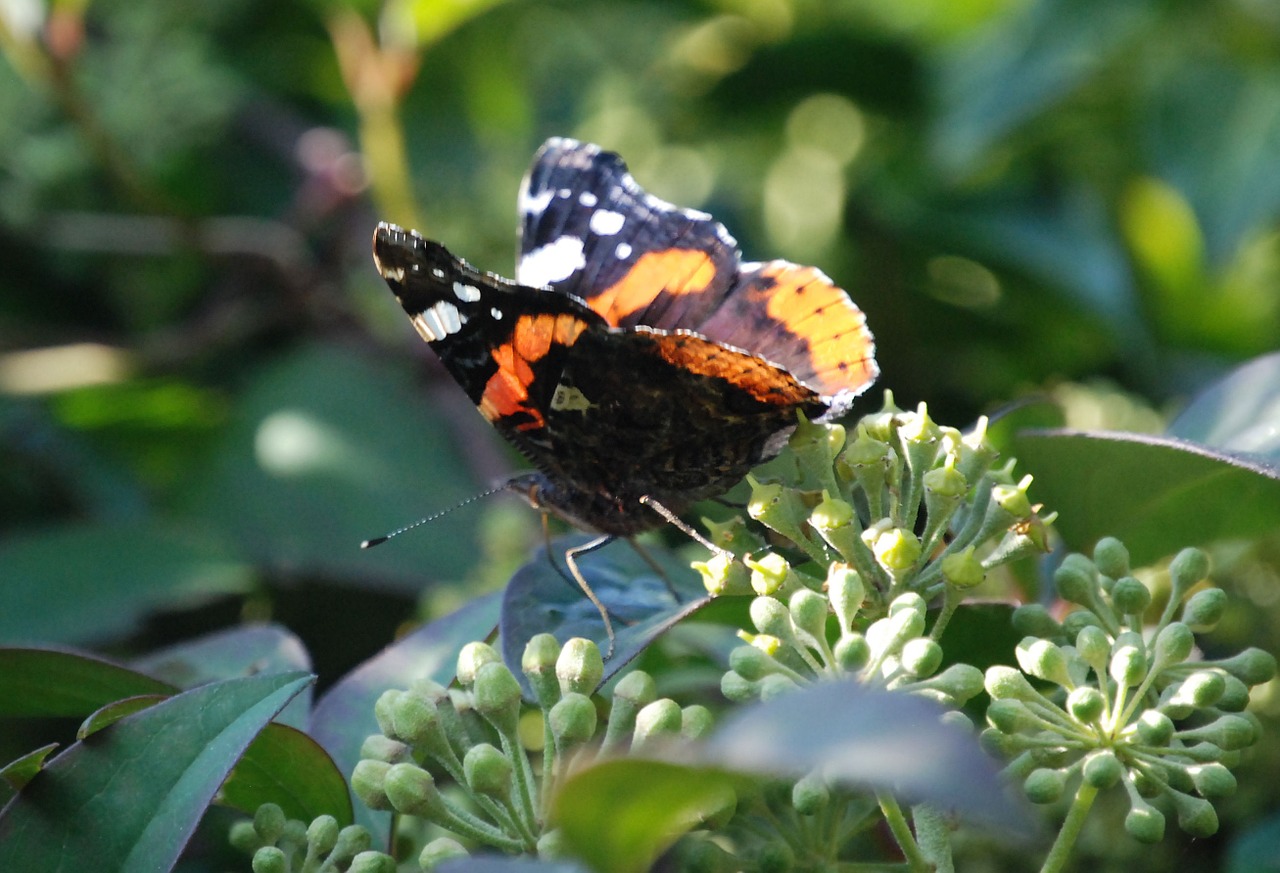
[571,558]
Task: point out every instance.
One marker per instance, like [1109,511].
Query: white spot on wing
[466,293]
[496,313]
[534,204]
[554,262]
[587,199]
[623,251]
[605,222]
[442,319]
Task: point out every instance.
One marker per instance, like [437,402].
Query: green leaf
[238,651]
[19,772]
[540,600]
[105,578]
[867,738]
[113,712]
[286,767]
[1239,414]
[1156,494]
[343,717]
[620,815]
[40,682]
[326,449]
[130,796]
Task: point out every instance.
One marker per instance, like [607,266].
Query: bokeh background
[208,398]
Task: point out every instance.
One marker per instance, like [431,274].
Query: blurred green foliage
[206,396]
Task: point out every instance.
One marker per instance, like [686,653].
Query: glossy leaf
[540,600]
[343,717]
[129,797]
[1156,494]
[43,682]
[17,773]
[106,578]
[328,449]
[286,767]
[620,815]
[113,712]
[866,738]
[1239,414]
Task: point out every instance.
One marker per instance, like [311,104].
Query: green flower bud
[810,795]
[1253,666]
[383,748]
[662,718]
[1006,683]
[1111,557]
[416,720]
[573,720]
[1094,647]
[1187,568]
[896,549]
[1033,620]
[1228,732]
[1102,769]
[637,688]
[382,708]
[768,573]
[866,450]
[946,482]
[921,657]
[1196,816]
[809,613]
[1154,728]
[846,591]
[778,508]
[1076,580]
[1010,716]
[1204,609]
[372,862]
[1212,780]
[723,574]
[831,514]
[963,570]
[1130,596]
[244,838]
[440,850]
[412,790]
[959,682]
[580,666]
[1086,704]
[538,663]
[1044,785]
[815,447]
[771,617]
[776,685]
[367,781]
[1173,645]
[732,535]
[294,838]
[269,859]
[1078,620]
[1235,695]
[737,689]
[497,697]
[322,834]
[775,857]
[269,821]
[1044,660]
[1201,689]
[472,657]
[352,840]
[751,663]
[852,652]
[487,771]
[1013,498]
[695,721]
[1129,665]
[1145,824]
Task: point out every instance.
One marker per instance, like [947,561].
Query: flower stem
[1057,858]
[897,822]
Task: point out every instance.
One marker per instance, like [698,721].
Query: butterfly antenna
[377,541]
[679,524]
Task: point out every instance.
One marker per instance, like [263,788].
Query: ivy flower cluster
[1127,703]
[470,736]
[283,845]
[903,513]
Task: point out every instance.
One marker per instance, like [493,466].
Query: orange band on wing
[757,377]
[506,394]
[673,271]
[816,311]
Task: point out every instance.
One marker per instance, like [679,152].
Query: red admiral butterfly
[636,361]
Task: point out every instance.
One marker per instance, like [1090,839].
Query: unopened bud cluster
[282,845]
[905,511]
[1127,704]
[475,736]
